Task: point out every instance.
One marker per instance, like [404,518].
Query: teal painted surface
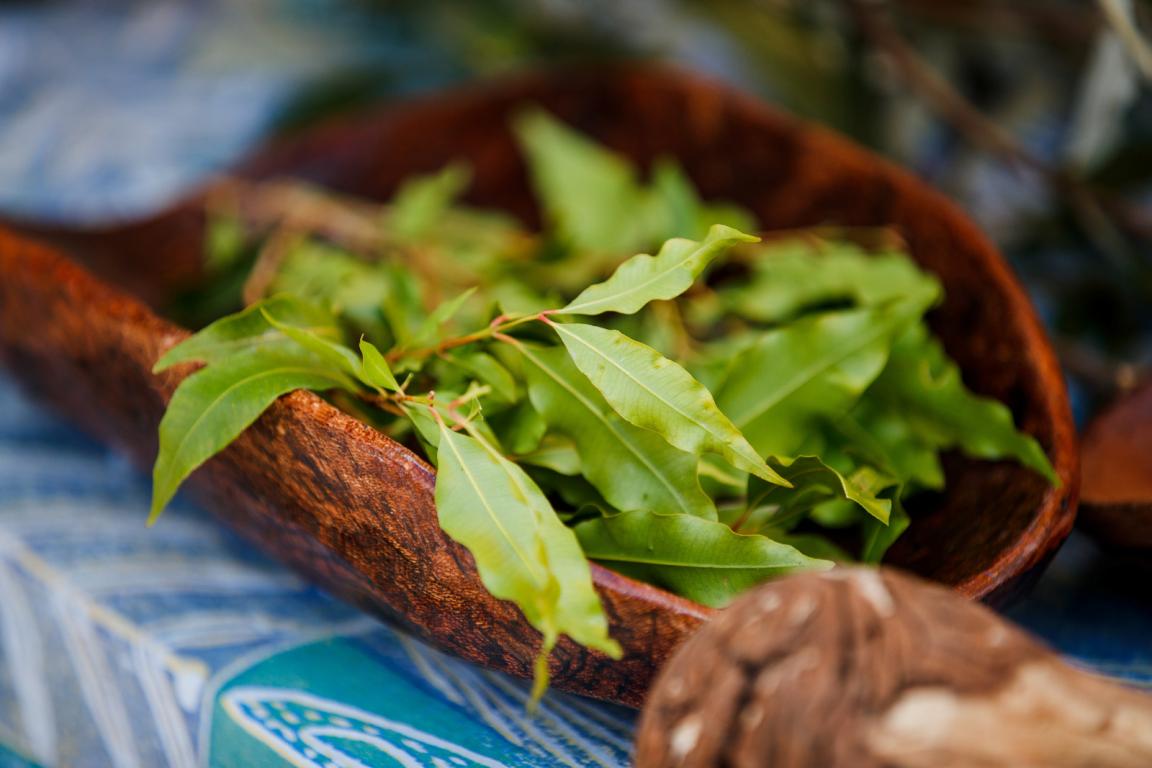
[341,699]
[9,759]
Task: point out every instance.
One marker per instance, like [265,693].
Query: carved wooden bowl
[354,511]
[1117,455]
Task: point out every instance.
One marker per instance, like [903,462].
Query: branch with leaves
[704,418]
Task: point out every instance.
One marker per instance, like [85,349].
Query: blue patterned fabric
[110,110]
[122,645]
[178,645]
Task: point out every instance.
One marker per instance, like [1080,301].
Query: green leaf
[520,428]
[780,388]
[792,276]
[687,215]
[421,202]
[374,370]
[590,196]
[700,559]
[645,278]
[925,387]
[814,545]
[425,215]
[673,187]
[813,482]
[225,243]
[878,538]
[429,329]
[402,304]
[382,300]
[427,427]
[369,366]
[214,405]
[634,468]
[594,200]
[522,550]
[335,354]
[884,437]
[484,368]
[652,392]
[556,453]
[580,495]
[248,329]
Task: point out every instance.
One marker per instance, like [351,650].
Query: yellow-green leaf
[792,276]
[422,201]
[645,278]
[248,329]
[340,357]
[594,201]
[214,405]
[591,196]
[700,559]
[813,482]
[429,329]
[924,388]
[633,468]
[524,553]
[374,370]
[816,368]
[653,392]
[554,452]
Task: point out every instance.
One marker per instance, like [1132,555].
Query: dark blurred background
[1034,114]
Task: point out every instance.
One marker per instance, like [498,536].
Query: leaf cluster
[703,417]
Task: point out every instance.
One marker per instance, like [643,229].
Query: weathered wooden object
[861,668]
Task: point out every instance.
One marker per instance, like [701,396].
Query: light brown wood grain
[868,669]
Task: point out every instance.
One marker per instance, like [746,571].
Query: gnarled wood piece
[873,669]
[1117,460]
[354,511]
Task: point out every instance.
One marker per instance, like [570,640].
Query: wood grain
[353,510]
[859,668]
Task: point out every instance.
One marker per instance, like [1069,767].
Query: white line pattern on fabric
[166,711]
[290,721]
[97,683]
[23,649]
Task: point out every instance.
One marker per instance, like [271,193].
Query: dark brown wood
[353,510]
[1117,461]
[860,668]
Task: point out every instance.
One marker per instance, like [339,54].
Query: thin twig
[492,330]
[268,263]
[351,223]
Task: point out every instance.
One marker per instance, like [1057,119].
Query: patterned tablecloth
[126,646]
[178,645]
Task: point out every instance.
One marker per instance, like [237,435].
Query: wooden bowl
[354,511]
[1117,458]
